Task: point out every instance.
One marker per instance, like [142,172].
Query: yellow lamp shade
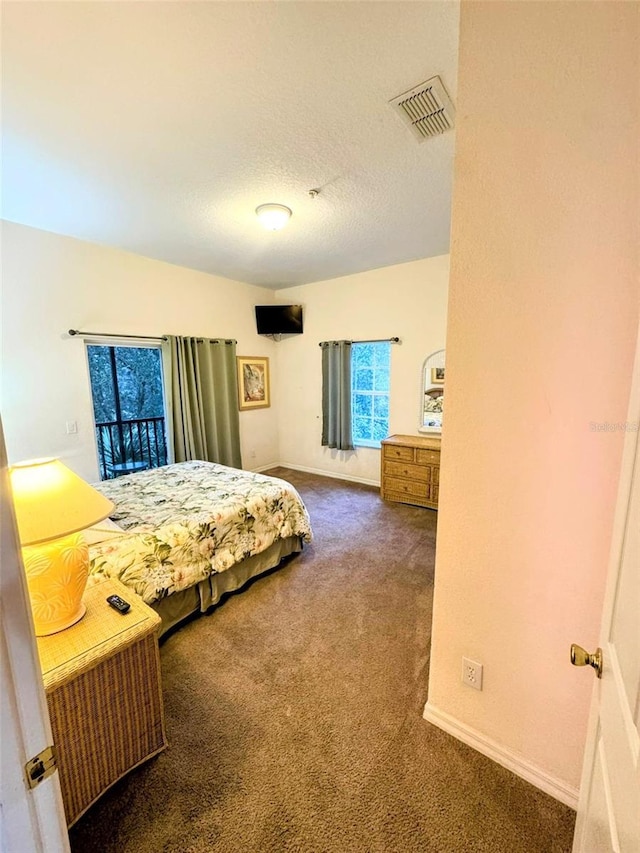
[51,501]
[52,505]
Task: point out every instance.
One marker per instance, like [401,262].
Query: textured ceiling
[159,127]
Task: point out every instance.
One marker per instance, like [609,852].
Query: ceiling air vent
[426,109]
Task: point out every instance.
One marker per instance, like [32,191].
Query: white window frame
[366,442]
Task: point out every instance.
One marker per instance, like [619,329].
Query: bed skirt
[197,599]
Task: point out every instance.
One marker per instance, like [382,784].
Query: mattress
[182,524]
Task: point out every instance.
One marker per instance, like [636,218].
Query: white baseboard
[503,755]
[331,474]
[265,467]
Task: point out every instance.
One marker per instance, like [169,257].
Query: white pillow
[102,531]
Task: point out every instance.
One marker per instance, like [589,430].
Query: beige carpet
[294,714]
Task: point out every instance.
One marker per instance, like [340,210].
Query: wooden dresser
[411,470]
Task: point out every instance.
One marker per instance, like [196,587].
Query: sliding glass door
[128,407]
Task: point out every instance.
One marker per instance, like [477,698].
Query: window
[370,365]
[128,407]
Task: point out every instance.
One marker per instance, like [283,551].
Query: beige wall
[408,301]
[543,314]
[52,283]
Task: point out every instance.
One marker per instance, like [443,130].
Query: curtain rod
[373,341]
[74,332]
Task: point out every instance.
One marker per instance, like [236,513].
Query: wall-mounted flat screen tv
[279,319]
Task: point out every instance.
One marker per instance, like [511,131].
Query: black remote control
[119,604]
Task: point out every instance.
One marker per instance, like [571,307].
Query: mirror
[432,393]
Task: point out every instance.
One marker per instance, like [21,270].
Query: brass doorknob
[580,657]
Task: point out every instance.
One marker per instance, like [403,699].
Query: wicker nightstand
[102,680]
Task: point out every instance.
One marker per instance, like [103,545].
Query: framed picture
[253,382]
[437,375]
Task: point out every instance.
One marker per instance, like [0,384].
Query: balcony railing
[125,447]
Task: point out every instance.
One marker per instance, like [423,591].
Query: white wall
[52,283]
[408,301]
[543,313]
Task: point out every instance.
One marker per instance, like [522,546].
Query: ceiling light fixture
[273,217]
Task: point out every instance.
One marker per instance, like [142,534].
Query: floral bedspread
[186,521]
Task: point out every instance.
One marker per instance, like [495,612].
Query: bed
[183,535]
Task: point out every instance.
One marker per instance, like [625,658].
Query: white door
[31,821]
[609,806]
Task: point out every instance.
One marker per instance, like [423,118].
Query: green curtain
[204,399]
[336,395]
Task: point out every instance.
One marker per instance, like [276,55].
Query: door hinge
[41,766]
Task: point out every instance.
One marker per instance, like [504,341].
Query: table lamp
[52,506]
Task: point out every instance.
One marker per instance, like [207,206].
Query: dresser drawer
[392,451]
[420,473]
[427,457]
[406,487]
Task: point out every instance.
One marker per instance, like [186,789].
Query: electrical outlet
[472,673]
[252,454]
[72,427]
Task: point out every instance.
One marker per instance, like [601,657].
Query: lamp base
[57,575]
[43,630]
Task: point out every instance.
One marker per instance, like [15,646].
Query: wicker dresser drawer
[102,681]
[427,457]
[407,487]
[420,473]
[410,470]
[391,451]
